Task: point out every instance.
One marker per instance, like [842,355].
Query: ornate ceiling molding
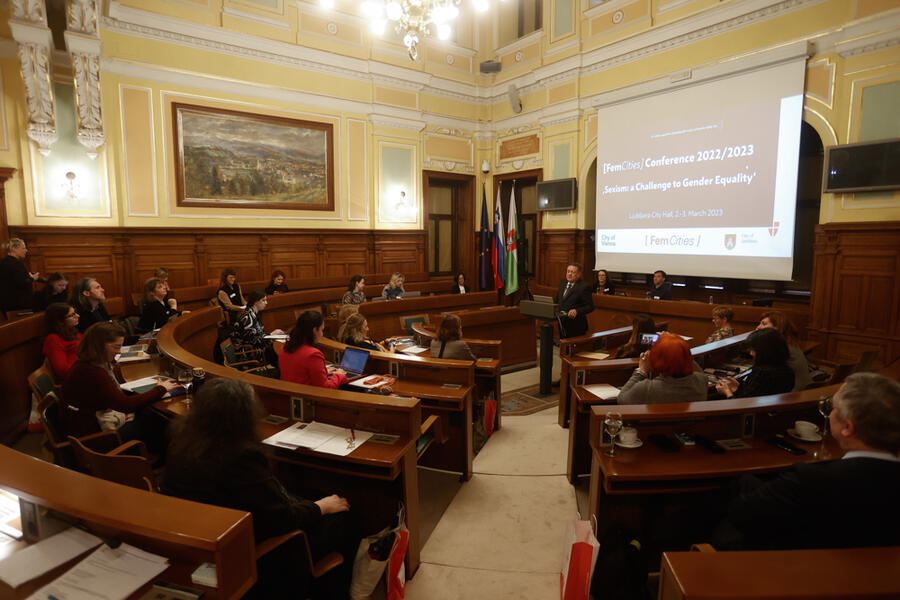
[35,42]
[83,42]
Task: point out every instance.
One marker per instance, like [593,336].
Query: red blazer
[307,365]
[89,388]
[61,354]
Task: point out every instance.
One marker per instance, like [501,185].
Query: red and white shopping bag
[396,571]
[579,556]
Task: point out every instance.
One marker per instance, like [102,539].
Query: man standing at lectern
[574,300]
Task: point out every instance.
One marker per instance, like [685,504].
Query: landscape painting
[231,159]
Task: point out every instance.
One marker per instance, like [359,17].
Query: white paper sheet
[320,437]
[603,390]
[413,350]
[107,573]
[132,386]
[37,559]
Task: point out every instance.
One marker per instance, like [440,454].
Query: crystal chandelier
[415,19]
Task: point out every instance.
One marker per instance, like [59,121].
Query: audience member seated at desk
[633,348]
[92,399]
[301,362]
[61,343]
[851,502]
[15,280]
[769,374]
[277,284]
[355,293]
[666,373]
[394,289]
[229,295]
[56,290]
[216,457]
[448,343]
[459,286]
[87,298]
[355,332]
[157,312]
[721,318]
[797,359]
[162,274]
[248,329]
[603,285]
[661,289]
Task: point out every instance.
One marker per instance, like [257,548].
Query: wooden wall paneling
[558,248]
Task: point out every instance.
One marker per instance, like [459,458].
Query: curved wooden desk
[384,317]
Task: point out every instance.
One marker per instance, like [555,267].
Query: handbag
[369,564]
[579,556]
[396,572]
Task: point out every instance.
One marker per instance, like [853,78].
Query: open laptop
[354,362]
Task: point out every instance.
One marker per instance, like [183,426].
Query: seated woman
[721,318]
[355,332]
[92,399]
[394,289]
[355,293]
[797,359]
[448,343]
[56,290]
[277,285]
[459,286]
[229,295]
[248,329]
[61,343]
[665,373]
[157,312]
[87,298]
[770,374]
[603,284]
[301,362]
[216,457]
[15,280]
[633,347]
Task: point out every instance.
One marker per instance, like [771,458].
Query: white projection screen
[702,180]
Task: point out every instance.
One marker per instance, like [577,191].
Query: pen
[352,435]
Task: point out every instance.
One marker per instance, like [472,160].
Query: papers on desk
[413,349]
[150,335]
[135,353]
[603,390]
[106,573]
[593,355]
[10,515]
[144,384]
[278,337]
[49,553]
[321,437]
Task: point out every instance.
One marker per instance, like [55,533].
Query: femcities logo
[730,241]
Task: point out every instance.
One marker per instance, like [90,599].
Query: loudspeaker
[490,66]
[514,101]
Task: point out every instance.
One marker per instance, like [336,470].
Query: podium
[547,313]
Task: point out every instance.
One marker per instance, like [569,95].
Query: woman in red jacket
[92,399]
[62,339]
[303,362]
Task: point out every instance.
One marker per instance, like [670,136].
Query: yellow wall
[438,113]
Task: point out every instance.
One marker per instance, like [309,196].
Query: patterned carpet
[526,401]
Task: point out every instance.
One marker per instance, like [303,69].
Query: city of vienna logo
[730,240]
[774,228]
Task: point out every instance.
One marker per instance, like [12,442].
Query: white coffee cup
[805,429]
[628,435]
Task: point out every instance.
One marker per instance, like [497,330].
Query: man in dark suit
[661,289]
[574,299]
[851,502]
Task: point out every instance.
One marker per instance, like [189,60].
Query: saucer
[816,437]
[635,444]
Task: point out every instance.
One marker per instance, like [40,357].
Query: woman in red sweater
[303,362]
[92,399]
[61,342]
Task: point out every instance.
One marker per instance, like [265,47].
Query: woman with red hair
[665,373]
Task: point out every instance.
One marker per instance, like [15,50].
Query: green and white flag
[512,254]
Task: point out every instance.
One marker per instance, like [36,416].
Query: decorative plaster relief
[81,16]
[83,43]
[29,10]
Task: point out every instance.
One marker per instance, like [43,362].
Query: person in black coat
[770,373]
[56,290]
[574,299]
[459,285]
[603,285]
[87,298]
[15,280]
[157,312]
[216,457]
[661,289]
[846,503]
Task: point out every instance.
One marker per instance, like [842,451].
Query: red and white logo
[774,228]
[730,241]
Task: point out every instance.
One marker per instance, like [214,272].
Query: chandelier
[415,19]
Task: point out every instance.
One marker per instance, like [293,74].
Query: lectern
[546,312]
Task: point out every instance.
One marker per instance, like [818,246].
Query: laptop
[354,362]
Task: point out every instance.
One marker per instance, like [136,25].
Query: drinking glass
[825,408]
[613,423]
[185,376]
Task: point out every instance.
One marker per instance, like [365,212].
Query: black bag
[620,572]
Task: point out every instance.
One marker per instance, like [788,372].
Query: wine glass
[825,408]
[185,376]
[613,423]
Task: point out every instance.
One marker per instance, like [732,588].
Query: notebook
[354,362]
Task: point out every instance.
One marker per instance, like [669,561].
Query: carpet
[527,401]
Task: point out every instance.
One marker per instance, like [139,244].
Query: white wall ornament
[35,42]
[83,43]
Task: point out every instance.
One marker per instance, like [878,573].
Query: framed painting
[231,159]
